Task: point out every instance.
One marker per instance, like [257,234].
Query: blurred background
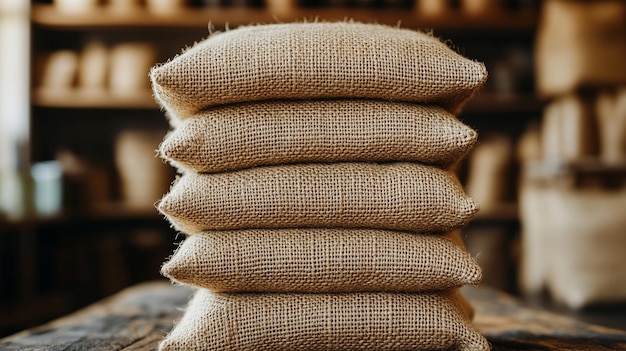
[79,129]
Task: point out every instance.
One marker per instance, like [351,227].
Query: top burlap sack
[315,60]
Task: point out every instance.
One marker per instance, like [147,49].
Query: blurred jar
[281,7]
[76,6]
[569,131]
[130,65]
[432,8]
[86,181]
[481,7]
[48,187]
[93,67]
[165,7]
[490,172]
[59,71]
[511,73]
[144,177]
[124,5]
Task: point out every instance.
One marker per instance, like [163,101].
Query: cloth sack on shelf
[93,66]
[580,44]
[271,133]
[490,170]
[587,264]
[403,196]
[535,239]
[144,177]
[59,71]
[315,60]
[325,260]
[568,130]
[610,109]
[320,322]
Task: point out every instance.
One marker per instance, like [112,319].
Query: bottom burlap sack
[397,196]
[321,260]
[324,322]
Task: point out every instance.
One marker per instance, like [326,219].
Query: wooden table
[137,318]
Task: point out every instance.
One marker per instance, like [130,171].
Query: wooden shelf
[504,212]
[117,211]
[93,99]
[503,103]
[554,169]
[596,167]
[105,213]
[199,18]
[485,103]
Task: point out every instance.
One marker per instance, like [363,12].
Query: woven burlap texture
[281,132]
[321,261]
[402,196]
[324,322]
[315,60]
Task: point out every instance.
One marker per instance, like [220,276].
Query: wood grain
[509,325]
[136,319]
[139,317]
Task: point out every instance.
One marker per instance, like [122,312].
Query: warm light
[14,101]
[14,82]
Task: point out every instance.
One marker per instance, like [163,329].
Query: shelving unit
[461,28]
[582,167]
[573,174]
[87,121]
[81,99]
[103,18]
[77,99]
[482,34]
[506,213]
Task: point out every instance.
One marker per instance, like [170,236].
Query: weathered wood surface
[139,317]
[135,319]
[509,325]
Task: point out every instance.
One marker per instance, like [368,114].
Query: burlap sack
[580,44]
[321,261]
[587,264]
[535,239]
[315,60]
[610,113]
[321,322]
[569,131]
[253,134]
[404,196]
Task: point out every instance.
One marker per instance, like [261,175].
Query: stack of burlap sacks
[318,209]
